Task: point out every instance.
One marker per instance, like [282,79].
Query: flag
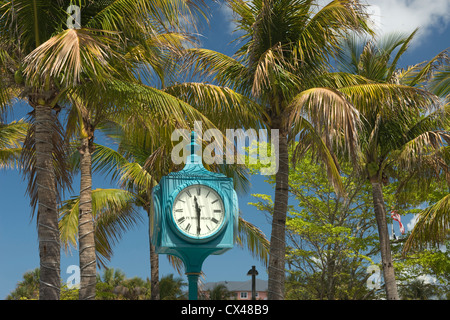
[396,217]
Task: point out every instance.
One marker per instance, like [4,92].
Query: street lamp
[253,272]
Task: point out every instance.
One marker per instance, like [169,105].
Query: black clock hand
[198,210]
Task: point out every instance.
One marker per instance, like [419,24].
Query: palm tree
[417,290]
[28,288]
[219,292]
[432,224]
[24,26]
[401,133]
[279,74]
[56,65]
[171,288]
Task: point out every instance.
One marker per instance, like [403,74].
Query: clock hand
[198,210]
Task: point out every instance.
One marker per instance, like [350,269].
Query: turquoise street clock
[195,215]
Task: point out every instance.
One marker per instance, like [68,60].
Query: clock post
[195,214]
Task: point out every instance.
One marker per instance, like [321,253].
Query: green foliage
[170,288]
[424,273]
[219,292]
[111,285]
[331,238]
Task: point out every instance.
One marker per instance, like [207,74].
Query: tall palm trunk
[48,232]
[154,273]
[385,246]
[278,238]
[86,239]
[154,266]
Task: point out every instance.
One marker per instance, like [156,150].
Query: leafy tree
[331,238]
[430,265]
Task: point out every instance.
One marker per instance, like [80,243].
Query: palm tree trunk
[48,231]
[154,267]
[385,246]
[154,273]
[278,239]
[86,228]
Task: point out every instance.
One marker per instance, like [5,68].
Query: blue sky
[18,233]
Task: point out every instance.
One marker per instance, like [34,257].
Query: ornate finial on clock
[194,154]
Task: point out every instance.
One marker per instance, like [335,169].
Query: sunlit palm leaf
[432,226]
[71,55]
[227,71]
[12,136]
[332,115]
[113,213]
[310,139]
[254,239]
[222,105]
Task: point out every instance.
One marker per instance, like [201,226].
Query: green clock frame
[169,239]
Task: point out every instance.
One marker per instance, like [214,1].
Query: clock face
[198,211]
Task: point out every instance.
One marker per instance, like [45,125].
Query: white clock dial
[198,211]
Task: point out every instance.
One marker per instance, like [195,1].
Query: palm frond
[423,154]
[31,22]
[113,213]
[321,34]
[107,161]
[331,114]
[389,99]
[423,72]
[225,107]
[134,15]
[142,101]
[432,226]
[311,140]
[251,236]
[140,178]
[439,83]
[71,55]
[12,136]
[221,68]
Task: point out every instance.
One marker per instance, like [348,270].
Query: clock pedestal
[193,261]
[167,236]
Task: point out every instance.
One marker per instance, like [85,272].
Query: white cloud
[407,15]
[397,15]
[227,13]
[410,225]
